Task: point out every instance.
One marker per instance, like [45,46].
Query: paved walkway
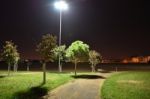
[81,88]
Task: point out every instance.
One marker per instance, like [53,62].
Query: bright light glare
[61,5]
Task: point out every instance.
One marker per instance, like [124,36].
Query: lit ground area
[27,85]
[127,85]
[121,85]
[84,86]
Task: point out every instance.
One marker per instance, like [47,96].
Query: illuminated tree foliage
[77,52]
[59,52]
[10,55]
[94,59]
[44,48]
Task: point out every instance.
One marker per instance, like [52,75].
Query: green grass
[28,85]
[127,85]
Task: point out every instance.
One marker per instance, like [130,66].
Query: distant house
[137,59]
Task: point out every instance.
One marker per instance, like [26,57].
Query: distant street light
[61,5]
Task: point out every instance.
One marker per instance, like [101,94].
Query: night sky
[115,28]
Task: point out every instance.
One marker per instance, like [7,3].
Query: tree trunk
[28,68]
[60,67]
[16,67]
[92,67]
[116,69]
[75,68]
[44,72]
[8,69]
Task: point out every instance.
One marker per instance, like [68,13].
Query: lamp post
[61,5]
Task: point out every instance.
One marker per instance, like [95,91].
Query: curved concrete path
[78,89]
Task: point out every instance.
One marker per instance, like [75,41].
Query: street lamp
[61,5]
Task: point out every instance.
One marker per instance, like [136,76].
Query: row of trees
[76,52]
[49,51]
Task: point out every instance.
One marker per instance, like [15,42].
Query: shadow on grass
[88,77]
[33,93]
[3,76]
[58,72]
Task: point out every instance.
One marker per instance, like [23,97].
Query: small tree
[59,52]
[94,59]
[10,54]
[77,52]
[44,48]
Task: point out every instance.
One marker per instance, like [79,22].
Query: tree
[44,48]
[59,52]
[94,59]
[77,52]
[10,54]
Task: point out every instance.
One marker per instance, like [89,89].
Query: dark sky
[115,28]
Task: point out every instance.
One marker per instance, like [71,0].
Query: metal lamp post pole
[61,5]
[59,62]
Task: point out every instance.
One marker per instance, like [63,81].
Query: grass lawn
[127,85]
[27,85]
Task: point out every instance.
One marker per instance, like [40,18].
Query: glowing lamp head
[61,5]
